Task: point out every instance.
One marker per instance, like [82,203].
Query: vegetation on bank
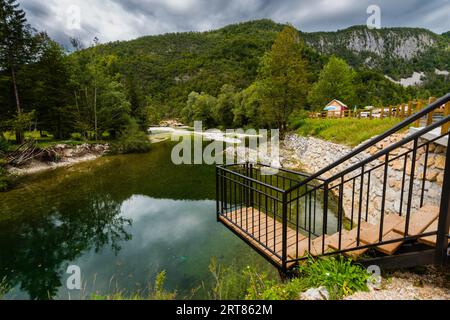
[340,276]
[156,292]
[348,131]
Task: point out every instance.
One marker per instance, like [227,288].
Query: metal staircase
[289,216]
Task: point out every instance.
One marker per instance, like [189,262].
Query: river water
[121,220]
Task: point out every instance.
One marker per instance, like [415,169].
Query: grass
[346,131]
[340,276]
[156,293]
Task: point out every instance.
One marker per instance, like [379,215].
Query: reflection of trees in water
[35,250]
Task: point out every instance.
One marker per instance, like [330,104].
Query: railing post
[285,227]
[224,194]
[444,216]
[325,212]
[446,126]
[251,186]
[217,194]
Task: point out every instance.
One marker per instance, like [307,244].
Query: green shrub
[131,140]
[261,288]
[339,275]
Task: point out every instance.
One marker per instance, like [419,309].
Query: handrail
[251,179]
[439,102]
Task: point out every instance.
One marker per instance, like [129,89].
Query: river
[121,220]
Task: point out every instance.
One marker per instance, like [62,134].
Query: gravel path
[428,283]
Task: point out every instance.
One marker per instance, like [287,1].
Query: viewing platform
[289,216]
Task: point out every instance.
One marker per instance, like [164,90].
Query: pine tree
[335,82]
[16,47]
[283,74]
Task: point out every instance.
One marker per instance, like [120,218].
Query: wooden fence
[400,111]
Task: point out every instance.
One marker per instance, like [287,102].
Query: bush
[339,275]
[131,140]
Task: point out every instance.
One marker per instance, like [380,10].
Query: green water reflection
[122,220]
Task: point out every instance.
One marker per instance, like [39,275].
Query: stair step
[370,234]
[391,248]
[419,221]
[316,246]
[348,241]
[431,240]
[302,249]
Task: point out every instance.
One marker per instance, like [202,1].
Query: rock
[432,175]
[398,164]
[316,294]
[439,161]
[430,160]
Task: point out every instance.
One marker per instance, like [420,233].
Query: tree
[283,76]
[223,110]
[248,104]
[335,82]
[199,108]
[100,97]
[16,47]
[45,88]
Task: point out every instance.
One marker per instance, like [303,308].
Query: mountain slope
[168,67]
[397,52]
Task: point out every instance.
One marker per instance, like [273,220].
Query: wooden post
[418,108]
[410,105]
[403,110]
[446,126]
[390,111]
[430,115]
[371,114]
[382,113]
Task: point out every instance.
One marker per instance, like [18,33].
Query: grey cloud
[120,20]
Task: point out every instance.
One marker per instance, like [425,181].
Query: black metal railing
[340,197]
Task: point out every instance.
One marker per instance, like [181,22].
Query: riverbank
[61,155]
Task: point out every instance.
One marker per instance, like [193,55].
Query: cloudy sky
[111,20]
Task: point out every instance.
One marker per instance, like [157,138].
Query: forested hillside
[169,67]
[225,77]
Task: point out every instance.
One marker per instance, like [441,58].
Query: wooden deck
[265,234]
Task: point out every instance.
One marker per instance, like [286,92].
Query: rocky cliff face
[402,43]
